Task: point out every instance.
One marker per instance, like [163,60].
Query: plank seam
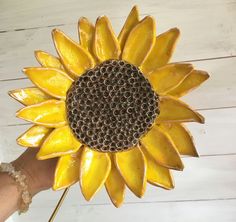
[185,61]
[171,201]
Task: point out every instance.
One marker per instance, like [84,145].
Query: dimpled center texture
[111,106]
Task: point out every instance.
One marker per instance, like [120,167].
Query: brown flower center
[111,106]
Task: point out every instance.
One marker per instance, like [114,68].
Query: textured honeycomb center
[111,106]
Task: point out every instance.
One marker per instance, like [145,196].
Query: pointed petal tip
[101,17]
[19,142]
[24,70]
[196,155]
[206,74]
[166,187]
[141,194]
[172,185]
[54,32]
[57,188]
[18,113]
[36,52]
[149,18]
[86,196]
[176,30]
[82,18]
[11,93]
[39,157]
[117,205]
[180,167]
[135,9]
[201,118]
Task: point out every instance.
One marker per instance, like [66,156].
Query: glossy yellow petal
[53,81]
[47,60]
[161,148]
[60,142]
[158,175]
[106,45]
[181,137]
[115,186]
[168,77]
[29,96]
[193,80]
[161,51]
[50,113]
[67,170]
[74,58]
[132,166]
[174,110]
[131,21]
[34,136]
[95,168]
[140,41]
[86,34]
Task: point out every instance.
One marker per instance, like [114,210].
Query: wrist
[34,186]
[9,196]
[20,185]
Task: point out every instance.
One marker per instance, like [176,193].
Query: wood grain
[201,37]
[208,182]
[193,211]
[217,92]
[205,191]
[210,138]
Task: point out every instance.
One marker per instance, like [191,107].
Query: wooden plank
[210,139]
[217,92]
[201,37]
[203,181]
[203,211]
[205,178]
[25,15]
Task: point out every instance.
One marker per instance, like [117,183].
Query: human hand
[39,173]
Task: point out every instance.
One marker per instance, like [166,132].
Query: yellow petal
[181,137]
[95,168]
[106,45]
[168,77]
[60,142]
[29,96]
[86,34]
[140,41]
[115,186]
[53,81]
[67,170]
[161,148]
[131,21]
[74,58]
[50,113]
[174,110]
[132,166]
[193,80]
[158,175]
[47,60]
[34,136]
[161,51]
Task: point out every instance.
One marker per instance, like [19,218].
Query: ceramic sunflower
[109,107]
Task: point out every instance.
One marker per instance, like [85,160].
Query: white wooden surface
[206,190]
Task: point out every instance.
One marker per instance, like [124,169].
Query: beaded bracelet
[20,180]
